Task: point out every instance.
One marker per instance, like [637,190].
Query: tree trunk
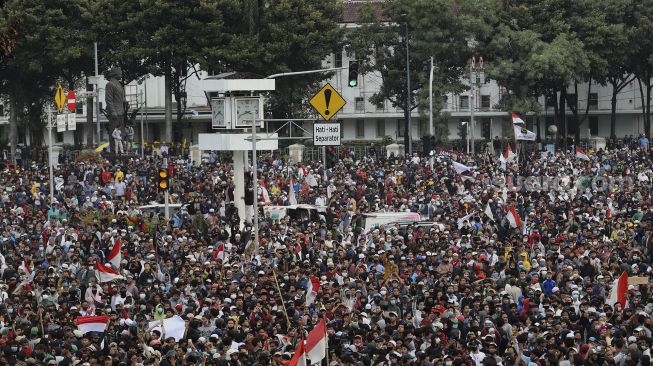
[90,108]
[613,112]
[641,96]
[168,105]
[13,126]
[562,129]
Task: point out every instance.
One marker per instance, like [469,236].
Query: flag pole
[327,341]
[283,304]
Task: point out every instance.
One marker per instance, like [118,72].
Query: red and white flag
[92,323]
[299,358]
[263,191]
[219,253]
[106,274]
[516,120]
[581,154]
[317,343]
[619,291]
[513,217]
[115,256]
[26,267]
[506,157]
[608,212]
[312,290]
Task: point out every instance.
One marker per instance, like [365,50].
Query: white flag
[461,221]
[521,133]
[488,212]
[460,168]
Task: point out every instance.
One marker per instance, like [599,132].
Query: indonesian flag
[516,120]
[26,267]
[619,290]
[219,253]
[263,191]
[302,172]
[291,193]
[106,274]
[488,211]
[513,217]
[460,168]
[115,256]
[316,343]
[313,289]
[299,358]
[298,249]
[92,323]
[608,212]
[581,154]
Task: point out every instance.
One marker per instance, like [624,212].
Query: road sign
[61,123]
[59,99]
[71,100]
[326,134]
[327,102]
[71,121]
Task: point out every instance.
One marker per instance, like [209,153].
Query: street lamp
[408,148]
[473,69]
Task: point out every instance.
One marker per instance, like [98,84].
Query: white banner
[172,327]
[61,123]
[72,121]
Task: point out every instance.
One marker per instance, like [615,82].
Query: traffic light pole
[165,196]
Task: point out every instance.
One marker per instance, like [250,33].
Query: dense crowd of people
[468,284]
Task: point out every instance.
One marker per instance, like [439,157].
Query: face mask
[383,293]
[212,351]
[142,296]
[233,296]
[393,302]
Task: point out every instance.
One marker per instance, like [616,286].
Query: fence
[315,153]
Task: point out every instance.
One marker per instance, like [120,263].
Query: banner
[72,121]
[61,123]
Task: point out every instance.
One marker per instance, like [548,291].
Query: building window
[338,59]
[58,137]
[359,104]
[79,108]
[380,128]
[485,102]
[400,127]
[550,101]
[594,101]
[594,125]
[360,128]
[464,102]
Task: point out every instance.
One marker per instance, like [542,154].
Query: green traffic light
[353,83]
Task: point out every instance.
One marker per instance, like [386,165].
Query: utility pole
[431,128]
[473,69]
[408,148]
[97,95]
[49,126]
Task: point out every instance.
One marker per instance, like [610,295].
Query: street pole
[254,186]
[472,82]
[467,123]
[49,124]
[142,138]
[431,128]
[324,163]
[408,149]
[165,196]
[97,95]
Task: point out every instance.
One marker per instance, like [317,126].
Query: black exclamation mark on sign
[327,98]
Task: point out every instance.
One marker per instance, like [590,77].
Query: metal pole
[142,138]
[407,129]
[467,137]
[324,162]
[471,104]
[165,197]
[255,186]
[97,95]
[49,124]
[431,128]
[303,72]
[146,116]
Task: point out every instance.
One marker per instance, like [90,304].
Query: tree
[265,38]
[441,28]
[640,28]
[48,49]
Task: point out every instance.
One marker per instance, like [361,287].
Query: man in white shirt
[117,140]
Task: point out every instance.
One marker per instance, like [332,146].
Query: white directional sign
[71,121]
[61,123]
[326,134]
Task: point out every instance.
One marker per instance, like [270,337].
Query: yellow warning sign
[327,102]
[59,99]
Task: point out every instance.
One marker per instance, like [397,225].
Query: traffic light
[353,74]
[163,179]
